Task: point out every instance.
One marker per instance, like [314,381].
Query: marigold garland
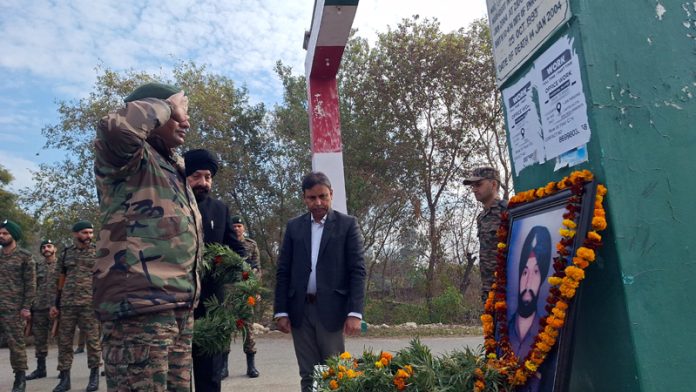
[564,282]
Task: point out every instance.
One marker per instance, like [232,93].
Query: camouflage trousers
[41,328]
[12,326]
[70,318]
[248,336]
[150,352]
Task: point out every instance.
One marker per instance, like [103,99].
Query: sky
[51,50]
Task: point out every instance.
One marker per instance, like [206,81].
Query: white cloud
[20,169]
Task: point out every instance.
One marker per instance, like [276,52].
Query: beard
[200,192]
[526,308]
[85,241]
[48,254]
[5,242]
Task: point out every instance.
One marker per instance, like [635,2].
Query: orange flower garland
[564,281]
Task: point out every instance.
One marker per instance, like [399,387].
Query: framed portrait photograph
[533,235]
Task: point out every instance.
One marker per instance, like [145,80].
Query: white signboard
[519,27]
[526,139]
[561,99]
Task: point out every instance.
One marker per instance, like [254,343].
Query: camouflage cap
[482,173]
[13,228]
[237,220]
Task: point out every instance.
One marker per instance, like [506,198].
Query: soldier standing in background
[75,304]
[252,251]
[17,280]
[46,279]
[485,183]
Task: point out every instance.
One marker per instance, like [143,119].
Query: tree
[428,95]
[9,209]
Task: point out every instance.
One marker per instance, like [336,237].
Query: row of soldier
[54,295]
[144,284]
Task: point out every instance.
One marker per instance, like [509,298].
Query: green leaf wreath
[213,333]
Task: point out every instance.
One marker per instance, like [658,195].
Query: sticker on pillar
[561,99]
[526,139]
[571,158]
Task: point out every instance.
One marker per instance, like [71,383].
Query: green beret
[152,90]
[13,228]
[81,225]
[45,242]
[237,219]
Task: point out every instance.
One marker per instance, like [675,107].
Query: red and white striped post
[331,24]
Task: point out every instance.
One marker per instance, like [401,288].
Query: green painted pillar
[636,328]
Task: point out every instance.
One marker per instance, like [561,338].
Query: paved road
[275,360]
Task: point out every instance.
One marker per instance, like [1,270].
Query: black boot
[19,383]
[79,350]
[40,371]
[251,368]
[64,384]
[93,383]
[225,371]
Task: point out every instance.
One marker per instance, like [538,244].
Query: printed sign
[561,99]
[526,139]
[519,27]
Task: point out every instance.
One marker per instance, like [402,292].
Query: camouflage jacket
[46,279]
[252,252]
[150,244]
[77,265]
[17,280]
[487,223]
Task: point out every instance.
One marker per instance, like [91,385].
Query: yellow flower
[531,366]
[586,253]
[409,369]
[492,356]
[567,233]
[379,364]
[345,355]
[569,223]
[501,245]
[554,281]
[341,368]
[401,373]
[324,375]
[333,385]
[540,192]
[351,373]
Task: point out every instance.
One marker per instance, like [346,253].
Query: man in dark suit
[201,167]
[320,280]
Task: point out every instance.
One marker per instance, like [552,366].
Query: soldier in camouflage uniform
[74,306]
[17,280]
[485,183]
[146,279]
[253,258]
[46,279]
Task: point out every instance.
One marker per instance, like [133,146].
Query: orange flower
[601,190]
[384,361]
[575,273]
[333,385]
[345,355]
[401,373]
[386,355]
[550,188]
[580,262]
[599,223]
[586,253]
[409,369]
[400,384]
[569,223]
[562,305]
[592,235]
[251,301]
[599,212]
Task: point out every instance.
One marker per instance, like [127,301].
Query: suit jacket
[340,270]
[217,228]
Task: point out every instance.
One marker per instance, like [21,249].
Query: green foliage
[213,333]
[380,311]
[9,209]
[416,368]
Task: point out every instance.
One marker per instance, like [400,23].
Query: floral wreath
[564,281]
